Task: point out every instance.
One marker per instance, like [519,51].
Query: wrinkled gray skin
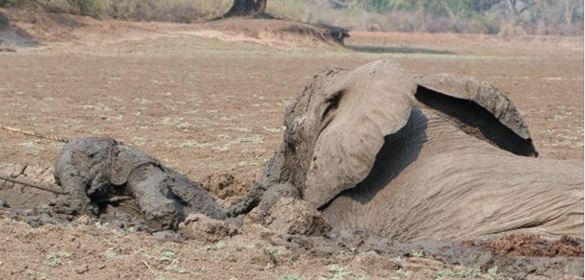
[305,117]
[438,157]
[94,170]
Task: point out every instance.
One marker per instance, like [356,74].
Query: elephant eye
[331,104]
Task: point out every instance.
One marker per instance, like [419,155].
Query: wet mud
[104,178]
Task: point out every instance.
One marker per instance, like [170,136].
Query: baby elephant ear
[127,159]
[478,108]
[372,101]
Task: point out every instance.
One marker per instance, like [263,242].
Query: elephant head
[377,149]
[337,126]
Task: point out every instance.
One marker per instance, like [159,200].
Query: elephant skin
[380,150]
[94,170]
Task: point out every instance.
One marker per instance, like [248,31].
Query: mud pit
[117,183]
[102,177]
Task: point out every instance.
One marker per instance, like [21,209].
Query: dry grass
[143,10]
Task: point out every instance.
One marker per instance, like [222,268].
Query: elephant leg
[149,184]
[263,198]
[250,201]
[272,177]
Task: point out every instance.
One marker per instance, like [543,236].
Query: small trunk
[246,8]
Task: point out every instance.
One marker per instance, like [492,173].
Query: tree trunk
[242,8]
[261,6]
[452,15]
[568,12]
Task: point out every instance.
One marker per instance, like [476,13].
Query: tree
[519,6]
[247,8]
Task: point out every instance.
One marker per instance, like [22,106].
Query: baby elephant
[97,170]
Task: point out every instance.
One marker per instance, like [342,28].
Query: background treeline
[507,17]
[478,16]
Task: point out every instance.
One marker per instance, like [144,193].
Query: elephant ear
[369,103]
[478,108]
[127,159]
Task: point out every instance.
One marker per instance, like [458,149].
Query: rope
[35,134]
[114,199]
[30,185]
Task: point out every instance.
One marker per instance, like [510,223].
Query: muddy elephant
[379,150]
[95,171]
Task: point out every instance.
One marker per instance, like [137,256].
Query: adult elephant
[431,157]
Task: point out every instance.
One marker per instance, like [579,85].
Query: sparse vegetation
[272,254]
[493,274]
[291,277]
[402,273]
[113,253]
[171,260]
[149,10]
[463,273]
[339,272]
[417,253]
[213,246]
[55,259]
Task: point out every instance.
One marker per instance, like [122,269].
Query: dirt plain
[210,103]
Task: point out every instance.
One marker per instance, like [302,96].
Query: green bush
[489,23]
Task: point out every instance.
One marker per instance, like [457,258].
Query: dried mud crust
[225,186]
[290,216]
[210,248]
[531,245]
[458,253]
[95,251]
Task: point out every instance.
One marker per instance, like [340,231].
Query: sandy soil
[209,106]
[95,251]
